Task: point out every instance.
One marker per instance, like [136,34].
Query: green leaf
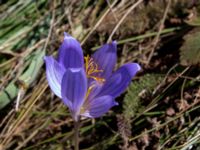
[194,22]
[8,94]
[194,17]
[132,101]
[190,50]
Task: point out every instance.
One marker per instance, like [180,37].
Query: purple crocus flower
[88,89]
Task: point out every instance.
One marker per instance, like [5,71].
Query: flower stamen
[92,69]
[86,104]
[89,91]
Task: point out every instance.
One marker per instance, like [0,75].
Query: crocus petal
[95,89]
[70,53]
[106,58]
[99,106]
[54,72]
[73,89]
[119,81]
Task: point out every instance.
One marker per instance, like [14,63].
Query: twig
[141,37]
[156,40]
[183,103]
[34,133]
[10,53]
[123,18]
[109,5]
[35,46]
[179,115]
[154,102]
[51,26]
[98,23]
[8,119]
[21,92]
[165,78]
[68,14]
[22,35]
[33,99]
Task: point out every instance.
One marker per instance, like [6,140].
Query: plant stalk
[76,134]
